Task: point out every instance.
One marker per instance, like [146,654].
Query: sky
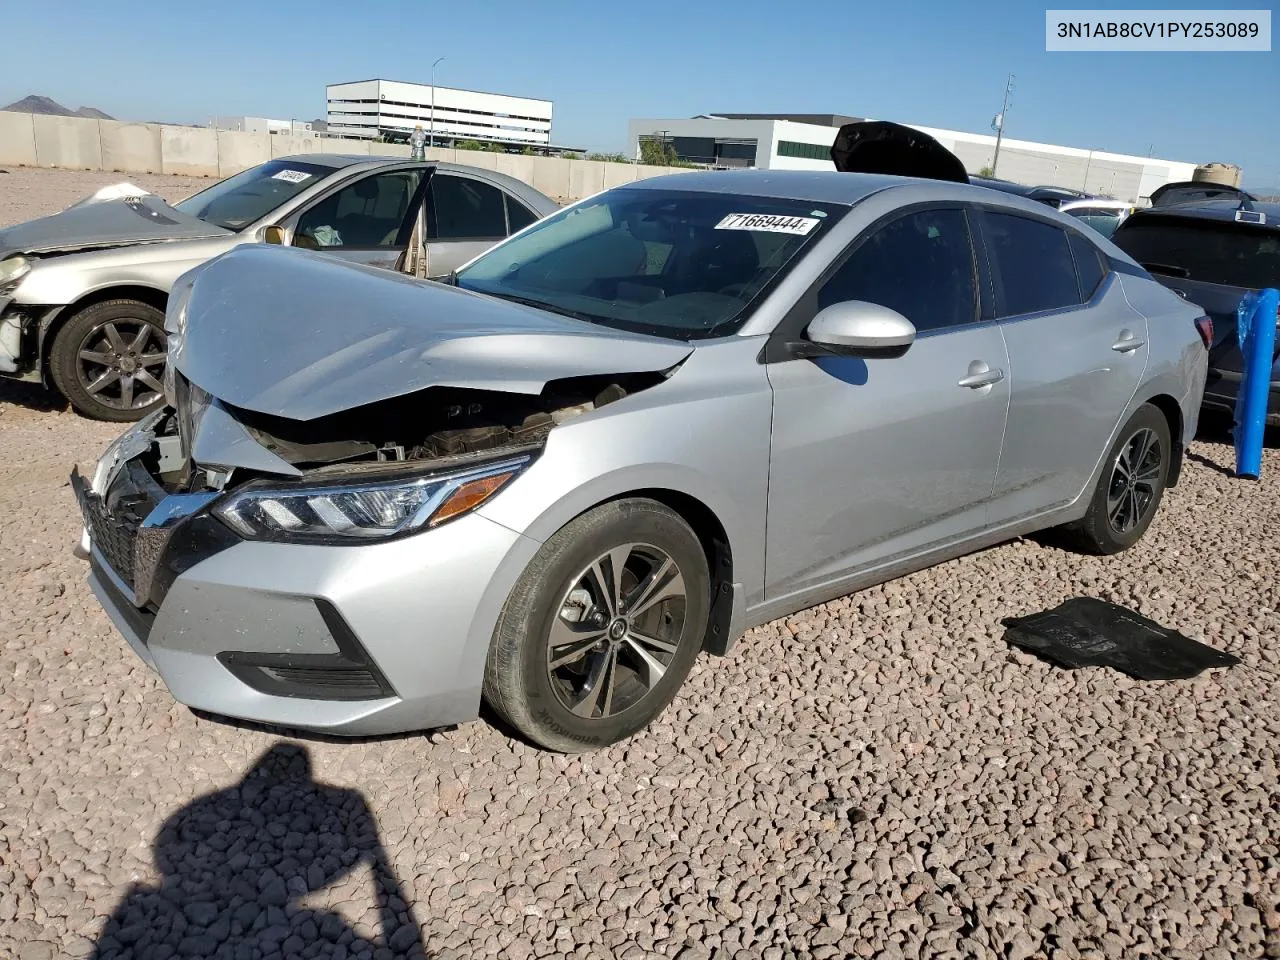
[939,64]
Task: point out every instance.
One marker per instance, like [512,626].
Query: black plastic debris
[878,146]
[1084,632]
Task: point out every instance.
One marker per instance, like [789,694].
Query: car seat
[716,261]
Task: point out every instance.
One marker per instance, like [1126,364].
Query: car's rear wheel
[108,360]
[602,627]
[1131,485]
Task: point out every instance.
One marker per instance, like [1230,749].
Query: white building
[295,128]
[803,142]
[369,108]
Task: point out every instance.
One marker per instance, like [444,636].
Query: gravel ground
[878,776]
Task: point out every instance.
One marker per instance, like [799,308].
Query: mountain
[49,107]
[1268,194]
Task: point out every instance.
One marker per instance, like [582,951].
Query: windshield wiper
[1169,270]
[543,305]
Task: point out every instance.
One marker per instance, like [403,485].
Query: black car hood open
[300,335]
[877,146]
[105,223]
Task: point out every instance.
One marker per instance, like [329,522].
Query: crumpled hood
[300,335]
[105,223]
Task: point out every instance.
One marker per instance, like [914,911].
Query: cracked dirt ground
[879,776]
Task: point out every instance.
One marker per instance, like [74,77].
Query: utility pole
[998,125]
[432,134]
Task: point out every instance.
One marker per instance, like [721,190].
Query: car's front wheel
[1131,485]
[602,627]
[108,360]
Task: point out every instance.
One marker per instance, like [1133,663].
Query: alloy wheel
[1136,475]
[121,363]
[616,630]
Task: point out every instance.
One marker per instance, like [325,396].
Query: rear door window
[466,209]
[1229,254]
[1033,265]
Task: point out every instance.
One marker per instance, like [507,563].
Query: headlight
[359,512]
[13,269]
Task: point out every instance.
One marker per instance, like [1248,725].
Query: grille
[114,520]
[113,536]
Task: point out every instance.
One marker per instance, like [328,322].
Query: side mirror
[273,234]
[859,329]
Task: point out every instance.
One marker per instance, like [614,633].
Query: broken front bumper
[348,640]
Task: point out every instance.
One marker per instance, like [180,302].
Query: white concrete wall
[70,142]
[239,151]
[192,151]
[134,147]
[79,143]
[17,139]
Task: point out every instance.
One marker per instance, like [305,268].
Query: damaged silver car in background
[83,292]
[617,440]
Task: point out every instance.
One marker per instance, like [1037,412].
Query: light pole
[998,125]
[432,135]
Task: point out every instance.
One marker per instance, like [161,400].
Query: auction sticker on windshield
[768,223]
[292,176]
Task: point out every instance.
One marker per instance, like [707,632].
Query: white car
[1101,214]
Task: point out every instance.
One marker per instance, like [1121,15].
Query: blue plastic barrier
[1256,333]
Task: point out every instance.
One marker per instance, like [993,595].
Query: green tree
[608,157]
[469,145]
[658,153]
[571,155]
[987,171]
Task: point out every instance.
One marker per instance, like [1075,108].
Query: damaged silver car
[83,292]
[619,439]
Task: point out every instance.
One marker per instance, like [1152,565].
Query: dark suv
[1212,252]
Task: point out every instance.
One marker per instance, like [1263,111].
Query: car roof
[335,160]
[342,161]
[1221,210]
[817,186]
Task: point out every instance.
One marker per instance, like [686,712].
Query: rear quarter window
[1089,266]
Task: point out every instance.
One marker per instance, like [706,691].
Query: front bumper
[345,640]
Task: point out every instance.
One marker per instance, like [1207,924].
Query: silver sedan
[618,440]
[83,292]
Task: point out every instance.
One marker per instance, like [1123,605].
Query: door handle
[1126,344]
[981,378]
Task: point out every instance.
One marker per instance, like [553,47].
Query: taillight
[1204,325]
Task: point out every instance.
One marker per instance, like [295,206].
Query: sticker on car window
[768,223]
[291,176]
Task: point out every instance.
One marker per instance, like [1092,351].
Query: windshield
[671,263]
[1103,219]
[1228,254]
[238,201]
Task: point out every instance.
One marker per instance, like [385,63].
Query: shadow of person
[236,863]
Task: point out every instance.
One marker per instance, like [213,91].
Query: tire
[560,590]
[119,346]
[1120,512]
